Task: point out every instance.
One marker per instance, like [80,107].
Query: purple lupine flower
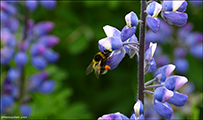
[37,49]
[48,40]
[32,5]
[47,87]
[25,110]
[163,109]
[172,14]
[114,116]
[110,43]
[174,82]
[127,32]
[43,28]
[131,19]
[12,24]
[165,71]
[7,38]
[48,4]
[178,99]
[162,94]
[196,51]
[38,62]
[6,104]
[50,56]
[8,8]
[6,55]
[21,58]
[153,10]
[182,65]
[36,80]
[149,63]
[13,74]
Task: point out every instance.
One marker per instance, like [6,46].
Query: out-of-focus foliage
[78,96]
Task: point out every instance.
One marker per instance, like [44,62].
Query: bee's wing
[89,68]
[97,73]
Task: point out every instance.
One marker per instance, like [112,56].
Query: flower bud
[6,55]
[48,4]
[138,108]
[13,74]
[48,40]
[37,49]
[131,19]
[50,56]
[43,28]
[31,5]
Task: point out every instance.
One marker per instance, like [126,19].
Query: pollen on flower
[107,67]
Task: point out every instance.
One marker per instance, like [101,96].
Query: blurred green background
[79,25]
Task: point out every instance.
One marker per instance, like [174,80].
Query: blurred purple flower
[42,28]
[6,55]
[25,110]
[32,5]
[182,65]
[21,58]
[38,62]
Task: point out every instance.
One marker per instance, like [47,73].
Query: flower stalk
[141,76]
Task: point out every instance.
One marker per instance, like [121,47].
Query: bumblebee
[98,63]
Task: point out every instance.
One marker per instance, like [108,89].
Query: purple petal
[180,52]
[163,109]
[165,71]
[127,33]
[48,4]
[25,110]
[153,23]
[50,56]
[174,82]
[44,27]
[37,49]
[131,19]
[116,58]
[31,5]
[183,7]
[182,65]
[111,31]
[7,38]
[39,62]
[48,40]
[153,9]
[162,94]
[47,87]
[6,55]
[113,116]
[13,74]
[178,99]
[6,103]
[110,43]
[196,51]
[162,60]
[21,58]
[152,65]
[177,18]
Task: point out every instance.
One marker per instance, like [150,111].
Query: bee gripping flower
[163,109]
[131,19]
[178,99]
[174,82]
[162,94]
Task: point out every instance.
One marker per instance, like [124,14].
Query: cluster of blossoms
[120,43]
[185,41]
[21,45]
